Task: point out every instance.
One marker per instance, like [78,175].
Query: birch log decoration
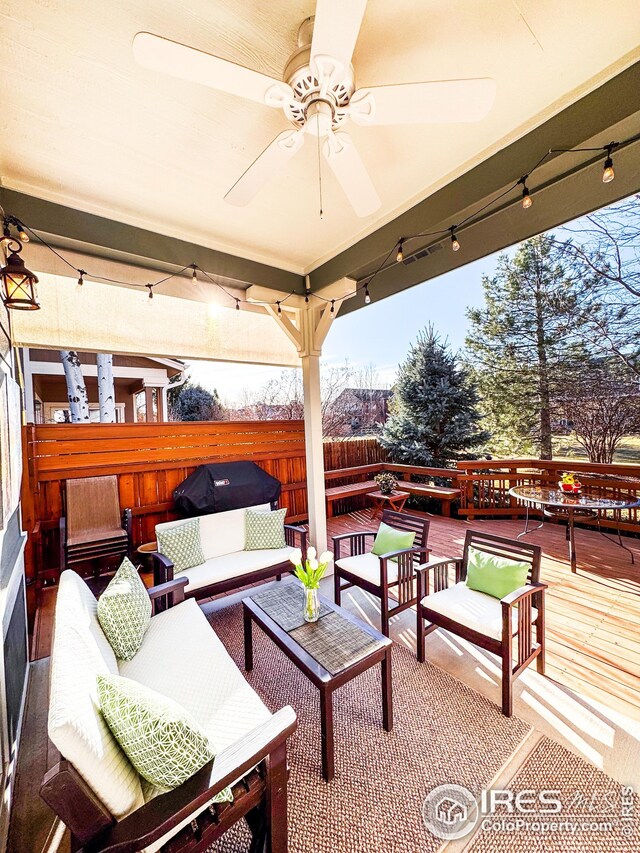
[76,388]
[106,388]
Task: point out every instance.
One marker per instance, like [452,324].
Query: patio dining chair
[92,527]
[378,574]
[494,624]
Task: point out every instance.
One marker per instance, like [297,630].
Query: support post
[314,451]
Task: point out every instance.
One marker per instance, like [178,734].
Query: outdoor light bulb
[333,307]
[81,279]
[367,298]
[237,304]
[454,242]
[279,308]
[22,234]
[608,174]
[527,201]
[306,297]
[194,275]
[400,255]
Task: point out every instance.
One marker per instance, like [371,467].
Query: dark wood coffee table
[330,652]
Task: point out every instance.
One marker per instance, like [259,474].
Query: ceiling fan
[318,96]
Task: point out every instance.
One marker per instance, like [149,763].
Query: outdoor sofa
[94,789]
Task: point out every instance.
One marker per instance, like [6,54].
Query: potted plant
[386,482]
[309,576]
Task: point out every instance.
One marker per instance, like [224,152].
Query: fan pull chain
[319,164]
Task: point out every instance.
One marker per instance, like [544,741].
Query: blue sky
[378,334]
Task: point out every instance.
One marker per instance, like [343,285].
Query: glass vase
[311,605]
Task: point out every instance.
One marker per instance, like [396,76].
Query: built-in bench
[445,494]
[426,490]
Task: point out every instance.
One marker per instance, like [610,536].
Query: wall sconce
[18,283]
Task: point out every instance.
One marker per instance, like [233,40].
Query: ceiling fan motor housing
[308,89]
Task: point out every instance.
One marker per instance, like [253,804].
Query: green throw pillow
[493,575]
[161,739]
[181,544]
[389,539]
[264,529]
[124,611]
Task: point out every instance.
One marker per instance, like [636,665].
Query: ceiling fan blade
[270,163]
[187,63]
[346,164]
[439,102]
[335,32]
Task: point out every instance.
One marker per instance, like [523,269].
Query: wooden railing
[485,486]
[149,460]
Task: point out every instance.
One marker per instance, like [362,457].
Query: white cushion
[473,609]
[80,652]
[182,658]
[220,532]
[233,565]
[367,567]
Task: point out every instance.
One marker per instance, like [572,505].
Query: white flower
[311,552]
[313,563]
[295,557]
[325,557]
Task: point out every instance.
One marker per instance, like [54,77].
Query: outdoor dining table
[558,504]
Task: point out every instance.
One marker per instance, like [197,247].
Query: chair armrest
[173,590]
[164,812]
[127,525]
[294,531]
[414,549]
[162,568]
[343,537]
[522,592]
[441,578]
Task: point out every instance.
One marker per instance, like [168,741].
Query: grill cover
[225,485]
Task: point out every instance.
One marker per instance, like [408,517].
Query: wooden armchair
[93,527]
[378,575]
[491,623]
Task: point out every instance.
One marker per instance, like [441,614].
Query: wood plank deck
[593,617]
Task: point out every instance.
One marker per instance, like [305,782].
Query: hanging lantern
[18,283]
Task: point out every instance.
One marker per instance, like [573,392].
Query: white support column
[307,324]
[314,451]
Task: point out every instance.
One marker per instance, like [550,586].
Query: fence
[149,460]
[485,486]
[350,452]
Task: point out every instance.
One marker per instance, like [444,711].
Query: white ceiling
[84,125]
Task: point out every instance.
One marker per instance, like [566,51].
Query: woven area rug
[605,818]
[443,732]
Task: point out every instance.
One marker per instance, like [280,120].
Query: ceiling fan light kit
[318,96]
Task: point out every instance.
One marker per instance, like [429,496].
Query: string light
[474,217]
[527,201]
[607,172]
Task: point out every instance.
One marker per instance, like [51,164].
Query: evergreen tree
[524,345]
[192,402]
[434,419]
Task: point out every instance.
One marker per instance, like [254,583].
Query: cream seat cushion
[76,727]
[367,567]
[233,565]
[475,610]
